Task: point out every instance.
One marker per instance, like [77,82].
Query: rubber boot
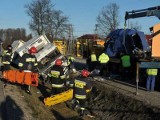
[75,104]
[28,90]
[81,113]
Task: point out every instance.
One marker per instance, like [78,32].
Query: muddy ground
[103,102]
[107,104]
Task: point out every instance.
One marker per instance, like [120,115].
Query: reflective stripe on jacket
[80,85]
[80,96]
[57,76]
[93,58]
[103,58]
[6,62]
[28,62]
[57,85]
[152,71]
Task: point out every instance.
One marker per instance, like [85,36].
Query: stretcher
[56,99]
[15,76]
[59,98]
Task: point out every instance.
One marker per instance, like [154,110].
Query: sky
[82,13]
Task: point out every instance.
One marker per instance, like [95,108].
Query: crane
[152,11]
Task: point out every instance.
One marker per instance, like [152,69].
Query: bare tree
[44,19]
[38,10]
[57,24]
[9,35]
[108,19]
[135,26]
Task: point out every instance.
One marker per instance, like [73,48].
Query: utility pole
[96,31]
[70,39]
[96,28]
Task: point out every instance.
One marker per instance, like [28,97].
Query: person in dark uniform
[93,58]
[28,63]
[57,77]
[126,66]
[103,60]
[7,58]
[80,86]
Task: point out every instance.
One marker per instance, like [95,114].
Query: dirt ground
[22,106]
[103,102]
[113,104]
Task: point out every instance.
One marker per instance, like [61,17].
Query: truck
[46,54]
[134,43]
[15,45]
[155,30]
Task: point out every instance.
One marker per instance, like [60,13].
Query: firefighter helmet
[85,73]
[32,50]
[58,62]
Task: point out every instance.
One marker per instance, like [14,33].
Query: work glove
[67,83]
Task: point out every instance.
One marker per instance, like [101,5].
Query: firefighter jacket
[7,57]
[57,76]
[93,58]
[28,62]
[70,60]
[103,58]
[80,86]
[152,71]
[126,61]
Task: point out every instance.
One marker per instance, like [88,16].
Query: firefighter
[80,85]
[71,64]
[28,63]
[150,84]
[103,60]
[57,77]
[7,58]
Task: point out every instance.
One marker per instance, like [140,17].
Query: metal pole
[1,58]
[137,77]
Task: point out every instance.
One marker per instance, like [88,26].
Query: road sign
[149,65]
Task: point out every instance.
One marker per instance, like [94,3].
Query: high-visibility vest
[70,59]
[126,61]
[93,58]
[103,58]
[152,71]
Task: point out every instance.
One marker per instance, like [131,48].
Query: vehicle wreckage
[46,54]
[133,42]
[127,41]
